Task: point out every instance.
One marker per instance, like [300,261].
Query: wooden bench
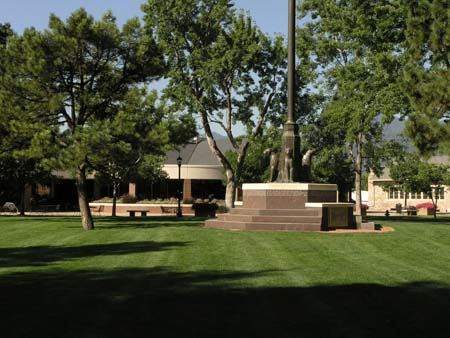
[133,212]
[169,210]
[97,208]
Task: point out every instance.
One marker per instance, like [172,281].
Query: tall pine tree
[77,72]
[427,75]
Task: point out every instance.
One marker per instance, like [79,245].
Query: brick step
[217,224]
[276,212]
[268,218]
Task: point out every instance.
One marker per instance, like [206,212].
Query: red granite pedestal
[287,206]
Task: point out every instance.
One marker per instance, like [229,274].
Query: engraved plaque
[337,217]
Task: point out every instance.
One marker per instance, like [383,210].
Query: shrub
[363,206]
[103,200]
[425,205]
[209,206]
[203,209]
[158,201]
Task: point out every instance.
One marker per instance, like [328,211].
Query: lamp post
[179,161]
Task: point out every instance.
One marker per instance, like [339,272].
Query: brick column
[132,189]
[187,190]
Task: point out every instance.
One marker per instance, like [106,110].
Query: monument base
[287,206]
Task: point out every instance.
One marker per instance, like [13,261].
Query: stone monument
[287,204]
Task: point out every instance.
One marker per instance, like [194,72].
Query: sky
[270,15]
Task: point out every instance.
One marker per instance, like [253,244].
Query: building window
[413,196]
[391,192]
[394,193]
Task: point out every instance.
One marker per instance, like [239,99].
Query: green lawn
[167,278]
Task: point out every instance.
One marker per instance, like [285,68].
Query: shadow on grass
[48,219]
[149,218]
[159,302]
[147,222]
[112,222]
[43,255]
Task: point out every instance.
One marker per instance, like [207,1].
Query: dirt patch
[351,231]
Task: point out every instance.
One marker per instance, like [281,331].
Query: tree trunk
[358,174]
[85,211]
[232,177]
[22,200]
[113,213]
[230,193]
[434,204]
[231,180]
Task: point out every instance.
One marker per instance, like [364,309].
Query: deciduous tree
[133,142]
[221,67]
[416,174]
[356,47]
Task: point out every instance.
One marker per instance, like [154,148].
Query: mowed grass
[162,277]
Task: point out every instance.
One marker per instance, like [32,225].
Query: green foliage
[404,172]
[136,133]
[23,147]
[431,176]
[5,33]
[132,143]
[256,168]
[427,75]
[332,165]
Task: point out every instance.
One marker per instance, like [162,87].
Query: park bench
[133,212]
[97,208]
[169,210]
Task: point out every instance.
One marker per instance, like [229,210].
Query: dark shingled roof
[198,153]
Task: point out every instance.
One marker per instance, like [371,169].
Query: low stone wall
[105,209]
